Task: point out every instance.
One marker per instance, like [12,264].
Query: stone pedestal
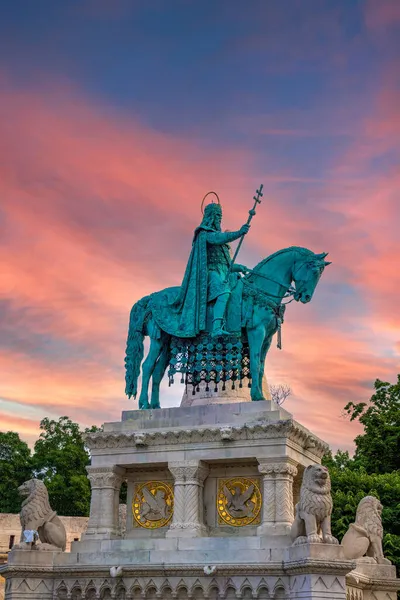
[29,575]
[211,490]
[228,396]
[316,572]
[372,582]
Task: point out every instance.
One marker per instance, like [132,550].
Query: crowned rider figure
[206,278]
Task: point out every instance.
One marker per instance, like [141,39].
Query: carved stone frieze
[261,430]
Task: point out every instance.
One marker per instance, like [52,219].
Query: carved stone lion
[313,512]
[364,537]
[36,515]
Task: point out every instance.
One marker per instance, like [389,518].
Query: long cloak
[184,314]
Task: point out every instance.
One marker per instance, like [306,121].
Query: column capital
[189,471]
[105,477]
[286,467]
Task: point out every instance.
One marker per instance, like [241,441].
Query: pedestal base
[211,491]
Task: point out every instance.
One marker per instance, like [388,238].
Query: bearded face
[212,217]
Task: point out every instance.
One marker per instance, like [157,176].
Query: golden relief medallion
[153,504]
[239,502]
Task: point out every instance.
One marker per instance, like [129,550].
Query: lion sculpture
[363,539]
[37,515]
[313,512]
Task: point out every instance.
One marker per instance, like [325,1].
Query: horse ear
[327,262]
[322,255]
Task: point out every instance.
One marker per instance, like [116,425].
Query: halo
[202,203]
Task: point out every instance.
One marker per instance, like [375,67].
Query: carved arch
[246,591]
[182,592]
[105,593]
[120,592]
[197,591]
[213,592]
[151,591]
[136,591]
[262,592]
[76,592]
[230,592]
[62,591]
[166,592]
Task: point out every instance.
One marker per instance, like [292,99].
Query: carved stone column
[278,511]
[188,517]
[105,483]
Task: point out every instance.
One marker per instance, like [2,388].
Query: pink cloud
[98,210]
[381,14]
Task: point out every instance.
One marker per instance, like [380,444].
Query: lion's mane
[368,516]
[35,509]
[315,497]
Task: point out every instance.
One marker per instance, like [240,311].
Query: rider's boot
[219,312]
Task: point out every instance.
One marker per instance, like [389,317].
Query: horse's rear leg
[147,371]
[158,374]
[256,336]
[265,347]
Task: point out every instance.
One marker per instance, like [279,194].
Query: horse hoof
[262,399]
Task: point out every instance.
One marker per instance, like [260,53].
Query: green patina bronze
[218,325]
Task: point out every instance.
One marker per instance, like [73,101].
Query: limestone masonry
[211,496]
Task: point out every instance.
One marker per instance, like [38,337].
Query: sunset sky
[117,116]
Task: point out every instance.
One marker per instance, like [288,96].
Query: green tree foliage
[60,459]
[352,483]
[375,468]
[378,448]
[15,468]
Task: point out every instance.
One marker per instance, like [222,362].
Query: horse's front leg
[147,371]
[256,336]
[265,347]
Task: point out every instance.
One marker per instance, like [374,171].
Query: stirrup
[219,330]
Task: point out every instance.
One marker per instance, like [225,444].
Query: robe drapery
[184,314]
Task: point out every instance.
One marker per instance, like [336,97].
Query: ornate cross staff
[252,212]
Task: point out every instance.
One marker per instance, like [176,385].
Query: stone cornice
[362,582]
[326,567]
[313,565]
[182,570]
[158,438]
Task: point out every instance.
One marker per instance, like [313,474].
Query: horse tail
[134,345]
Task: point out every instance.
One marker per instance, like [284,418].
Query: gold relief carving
[239,502]
[153,504]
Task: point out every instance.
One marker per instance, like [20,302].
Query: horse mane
[304,251]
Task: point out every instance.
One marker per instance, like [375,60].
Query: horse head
[306,274]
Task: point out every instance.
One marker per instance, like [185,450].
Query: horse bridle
[291,291]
